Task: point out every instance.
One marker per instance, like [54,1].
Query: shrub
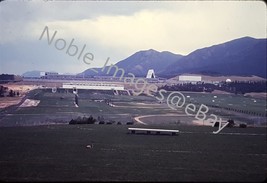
[129,123]
[231,123]
[91,120]
[216,124]
[72,122]
[83,120]
[242,125]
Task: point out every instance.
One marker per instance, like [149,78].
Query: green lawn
[231,101]
[59,108]
[59,153]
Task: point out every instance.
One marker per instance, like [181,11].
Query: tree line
[237,87]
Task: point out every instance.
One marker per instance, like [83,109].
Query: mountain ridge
[140,62]
[244,56]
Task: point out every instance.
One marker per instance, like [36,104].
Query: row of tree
[11,93]
[237,87]
[83,120]
[92,120]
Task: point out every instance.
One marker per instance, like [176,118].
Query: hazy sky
[118,29]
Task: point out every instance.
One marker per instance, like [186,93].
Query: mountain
[140,62]
[242,57]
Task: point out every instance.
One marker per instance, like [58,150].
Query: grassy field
[56,151]
[59,107]
[231,101]
[59,153]
[234,102]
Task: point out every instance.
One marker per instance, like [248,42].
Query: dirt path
[12,108]
[22,89]
[137,119]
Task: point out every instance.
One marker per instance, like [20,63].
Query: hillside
[140,62]
[241,57]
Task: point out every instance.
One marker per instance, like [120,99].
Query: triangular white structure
[150,74]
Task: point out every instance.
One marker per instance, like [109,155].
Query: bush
[91,120]
[242,125]
[72,122]
[101,122]
[83,120]
[129,123]
[12,93]
[216,124]
[231,123]
[119,123]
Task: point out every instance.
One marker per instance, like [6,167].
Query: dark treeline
[237,87]
[5,78]
[245,87]
[4,92]
[198,87]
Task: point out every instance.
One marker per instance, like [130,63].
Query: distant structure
[150,74]
[93,86]
[228,81]
[48,73]
[189,78]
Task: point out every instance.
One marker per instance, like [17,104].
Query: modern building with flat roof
[190,78]
[93,86]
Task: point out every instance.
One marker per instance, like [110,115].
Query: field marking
[30,103]
[145,116]
[139,107]
[137,103]
[139,121]
[33,114]
[202,123]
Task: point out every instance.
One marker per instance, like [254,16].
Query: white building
[42,73]
[189,78]
[150,74]
[93,86]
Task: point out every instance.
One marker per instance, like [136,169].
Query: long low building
[93,86]
[189,78]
